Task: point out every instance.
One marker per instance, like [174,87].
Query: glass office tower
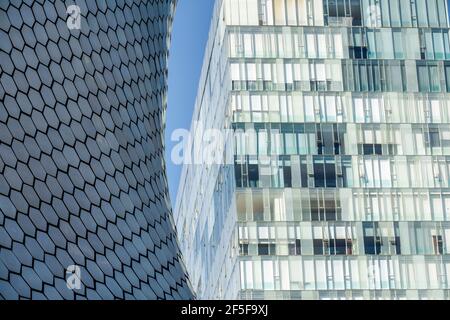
[335,180]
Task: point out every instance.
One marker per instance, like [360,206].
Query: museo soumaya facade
[84,208]
[339,181]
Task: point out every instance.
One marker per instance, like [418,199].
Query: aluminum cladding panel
[82,174]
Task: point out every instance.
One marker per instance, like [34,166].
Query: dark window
[372,242]
[435,141]
[378,150]
[437,245]
[298,247]
[330,173]
[253,175]
[319,174]
[367,149]
[340,246]
[358,52]
[372,245]
[319,147]
[238,175]
[337,148]
[243,249]
[318,246]
[397,238]
[397,246]
[337,247]
[304,172]
[265,249]
[295,248]
[287,176]
[325,172]
[371,149]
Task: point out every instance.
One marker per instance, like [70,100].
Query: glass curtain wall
[339,183]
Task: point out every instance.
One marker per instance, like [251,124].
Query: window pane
[432,13]
[395,13]
[422,13]
[398,44]
[422,73]
[405,6]
[435,79]
[438,45]
[279,10]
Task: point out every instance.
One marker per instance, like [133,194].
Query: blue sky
[189,36]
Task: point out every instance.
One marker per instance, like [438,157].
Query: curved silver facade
[84,208]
